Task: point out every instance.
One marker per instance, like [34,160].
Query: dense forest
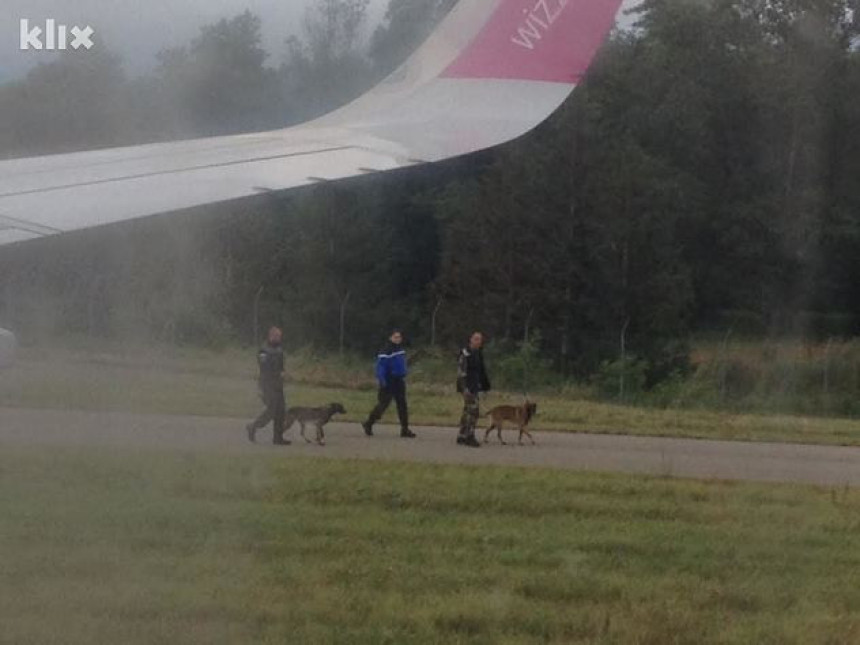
[705,179]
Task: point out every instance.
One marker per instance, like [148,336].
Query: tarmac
[682,458]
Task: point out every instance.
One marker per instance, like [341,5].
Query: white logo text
[55,37]
[538,22]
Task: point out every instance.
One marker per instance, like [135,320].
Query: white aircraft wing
[492,71]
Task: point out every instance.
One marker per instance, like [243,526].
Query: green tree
[326,66]
[65,105]
[406,25]
[220,83]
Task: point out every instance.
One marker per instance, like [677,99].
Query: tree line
[703,179]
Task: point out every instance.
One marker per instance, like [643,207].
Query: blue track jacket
[391,364]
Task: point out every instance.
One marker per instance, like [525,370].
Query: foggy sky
[138,29]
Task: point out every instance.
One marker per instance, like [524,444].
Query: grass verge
[222,385]
[137,548]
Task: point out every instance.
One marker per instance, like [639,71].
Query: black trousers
[276,411]
[396,391]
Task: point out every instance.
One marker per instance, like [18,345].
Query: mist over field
[700,185]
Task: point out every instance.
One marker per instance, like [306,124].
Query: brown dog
[519,415]
[319,417]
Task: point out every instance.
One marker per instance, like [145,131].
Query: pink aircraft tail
[538,40]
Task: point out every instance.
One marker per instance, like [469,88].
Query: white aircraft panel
[13,235]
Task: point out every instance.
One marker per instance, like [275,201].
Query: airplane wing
[492,71]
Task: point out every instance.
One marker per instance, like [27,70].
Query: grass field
[118,547]
[222,384]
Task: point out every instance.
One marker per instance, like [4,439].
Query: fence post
[256,316]
[621,378]
[433,321]
[343,304]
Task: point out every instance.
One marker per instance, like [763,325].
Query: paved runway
[822,465]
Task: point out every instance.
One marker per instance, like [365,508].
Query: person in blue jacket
[391,371]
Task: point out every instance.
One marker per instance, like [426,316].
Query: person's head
[396,337]
[275,336]
[476,340]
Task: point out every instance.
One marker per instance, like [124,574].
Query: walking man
[270,359]
[391,371]
[472,381]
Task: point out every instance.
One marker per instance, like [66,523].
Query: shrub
[622,379]
[524,369]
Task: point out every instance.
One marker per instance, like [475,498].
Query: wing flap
[114,200]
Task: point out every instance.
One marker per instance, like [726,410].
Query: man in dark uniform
[472,381]
[270,359]
[391,371]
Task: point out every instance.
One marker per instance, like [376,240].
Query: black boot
[251,429]
[469,440]
[368,428]
[406,433]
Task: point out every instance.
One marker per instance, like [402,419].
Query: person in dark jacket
[472,381]
[391,371]
[270,360]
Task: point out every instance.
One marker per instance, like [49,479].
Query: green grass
[222,384]
[117,547]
